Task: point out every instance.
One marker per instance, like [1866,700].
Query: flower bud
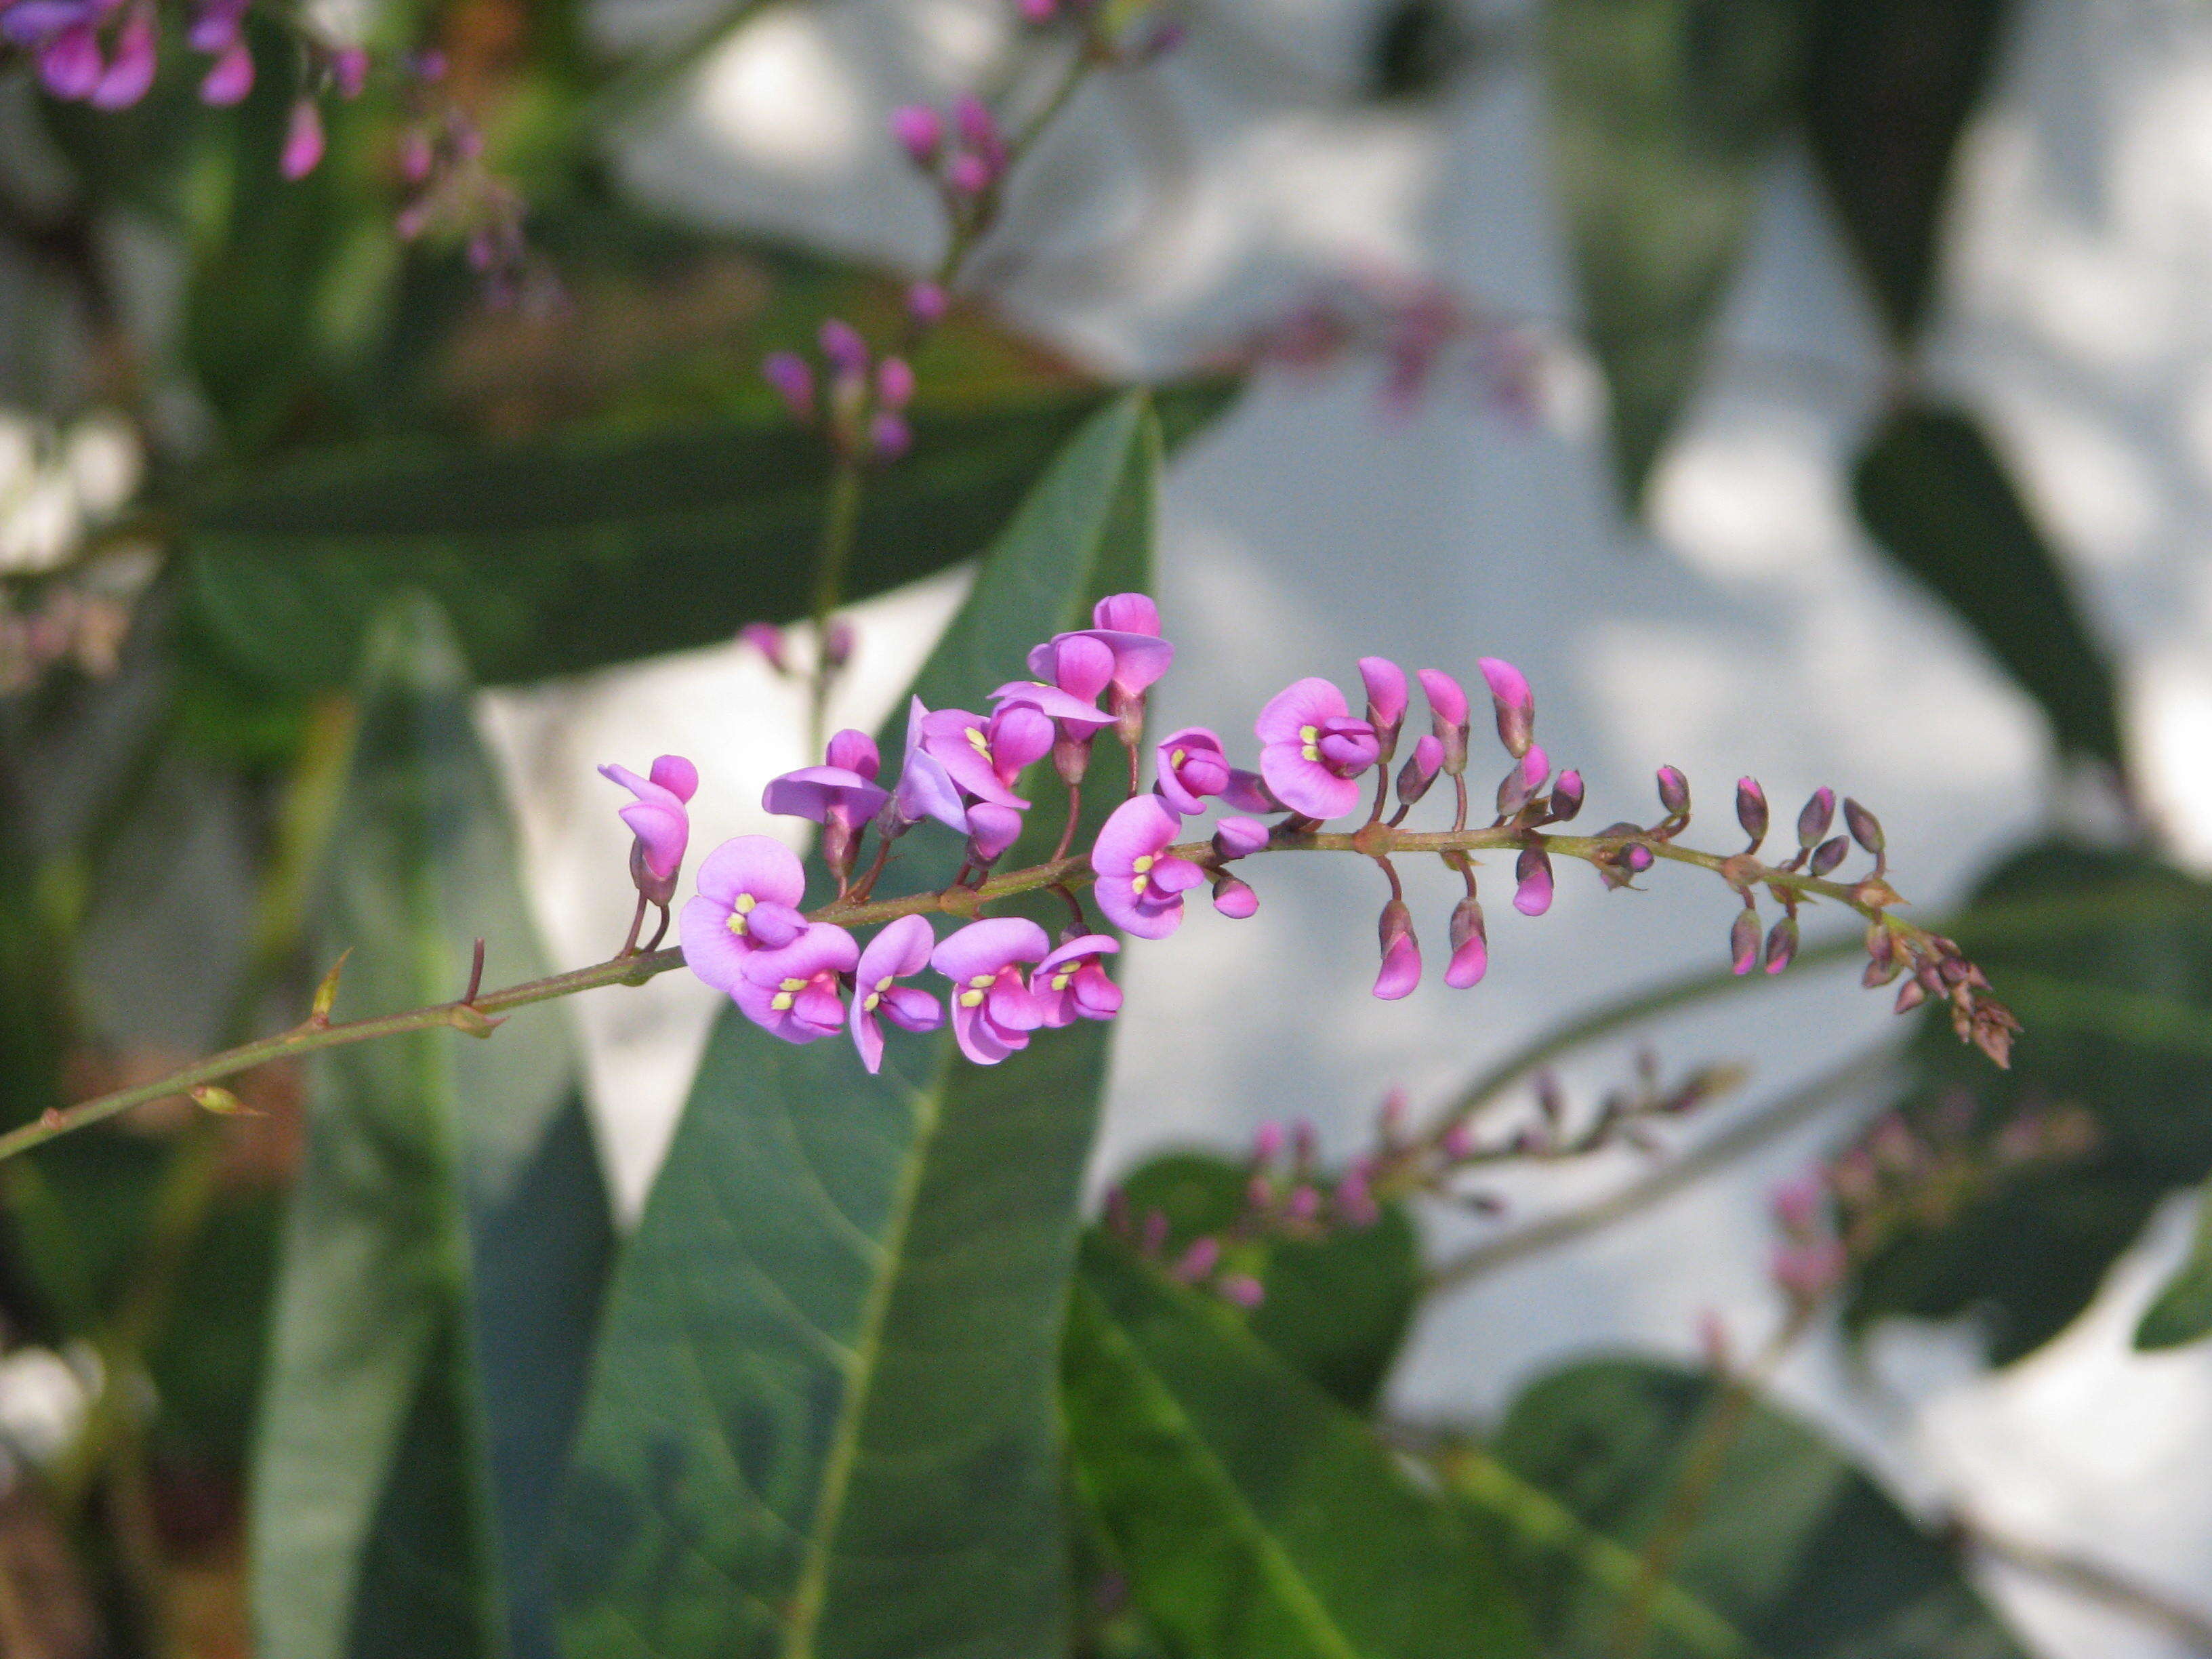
[894,384]
[926,303]
[1516,705]
[1830,853]
[1533,872]
[767,639]
[1819,813]
[1401,953]
[1155,1236]
[1865,828]
[1524,782]
[231,78]
[1751,810]
[838,646]
[1456,1143]
[1470,945]
[1238,837]
[919,131]
[349,70]
[1267,1142]
[1302,1205]
[969,175]
[1386,700]
[1743,941]
[1635,857]
[1448,716]
[214,1097]
[1419,770]
[1566,797]
[1674,791]
[1234,897]
[1781,945]
[792,380]
[1355,1201]
[303,139]
[1910,995]
[992,828]
[843,345]
[1242,1288]
[1199,1260]
[889,437]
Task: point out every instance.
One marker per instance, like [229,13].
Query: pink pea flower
[991,829]
[1470,944]
[796,993]
[1448,716]
[303,139]
[1743,942]
[1071,983]
[1242,1288]
[894,383]
[1566,797]
[1401,953]
[750,889]
[926,788]
[1420,769]
[1386,700]
[1140,887]
[984,756]
[130,75]
[231,78]
[1138,660]
[840,799]
[1187,766]
[993,1011]
[900,948]
[843,345]
[658,820]
[856,751]
[1313,751]
[1524,782]
[1516,704]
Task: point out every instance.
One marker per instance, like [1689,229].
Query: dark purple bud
[1566,797]
[1470,945]
[1242,1288]
[1743,941]
[1830,853]
[1820,812]
[1386,700]
[919,131]
[1751,809]
[1199,1260]
[1234,897]
[792,380]
[1516,704]
[843,345]
[926,303]
[1420,769]
[1533,869]
[1865,828]
[1524,782]
[1674,791]
[1156,1232]
[1635,857]
[1781,945]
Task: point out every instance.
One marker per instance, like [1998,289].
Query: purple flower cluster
[105,53]
[862,405]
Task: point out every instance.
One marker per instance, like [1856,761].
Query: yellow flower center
[746,903]
[1140,866]
[978,742]
[1176,757]
[971,998]
[1059,979]
[1309,742]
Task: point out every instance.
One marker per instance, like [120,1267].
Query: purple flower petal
[1080,664]
[677,775]
[822,948]
[662,833]
[820,792]
[753,865]
[231,78]
[1386,691]
[710,950]
[1303,703]
[855,753]
[1128,613]
[1306,786]
[1401,969]
[1051,700]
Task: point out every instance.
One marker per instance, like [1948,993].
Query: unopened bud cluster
[860,404]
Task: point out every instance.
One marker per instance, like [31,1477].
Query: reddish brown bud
[1829,854]
[1781,945]
[1865,828]
[1674,791]
[1817,814]
[1751,809]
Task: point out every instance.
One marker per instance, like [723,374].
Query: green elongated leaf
[1888,86]
[1336,1306]
[1663,112]
[572,550]
[821,1415]
[2118,1017]
[1798,1552]
[447,1241]
[2182,1311]
[1253,1515]
[1934,494]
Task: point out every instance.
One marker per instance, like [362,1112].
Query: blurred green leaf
[822,1417]
[2118,1016]
[1663,115]
[1888,86]
[2182,1311]
[1255,1516]
[570,552]
[447,1240]
[1336,1307]
[1794,1549]
[1934,494]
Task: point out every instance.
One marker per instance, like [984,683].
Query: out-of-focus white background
[1754,631]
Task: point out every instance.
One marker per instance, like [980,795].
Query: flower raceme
[805,977]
